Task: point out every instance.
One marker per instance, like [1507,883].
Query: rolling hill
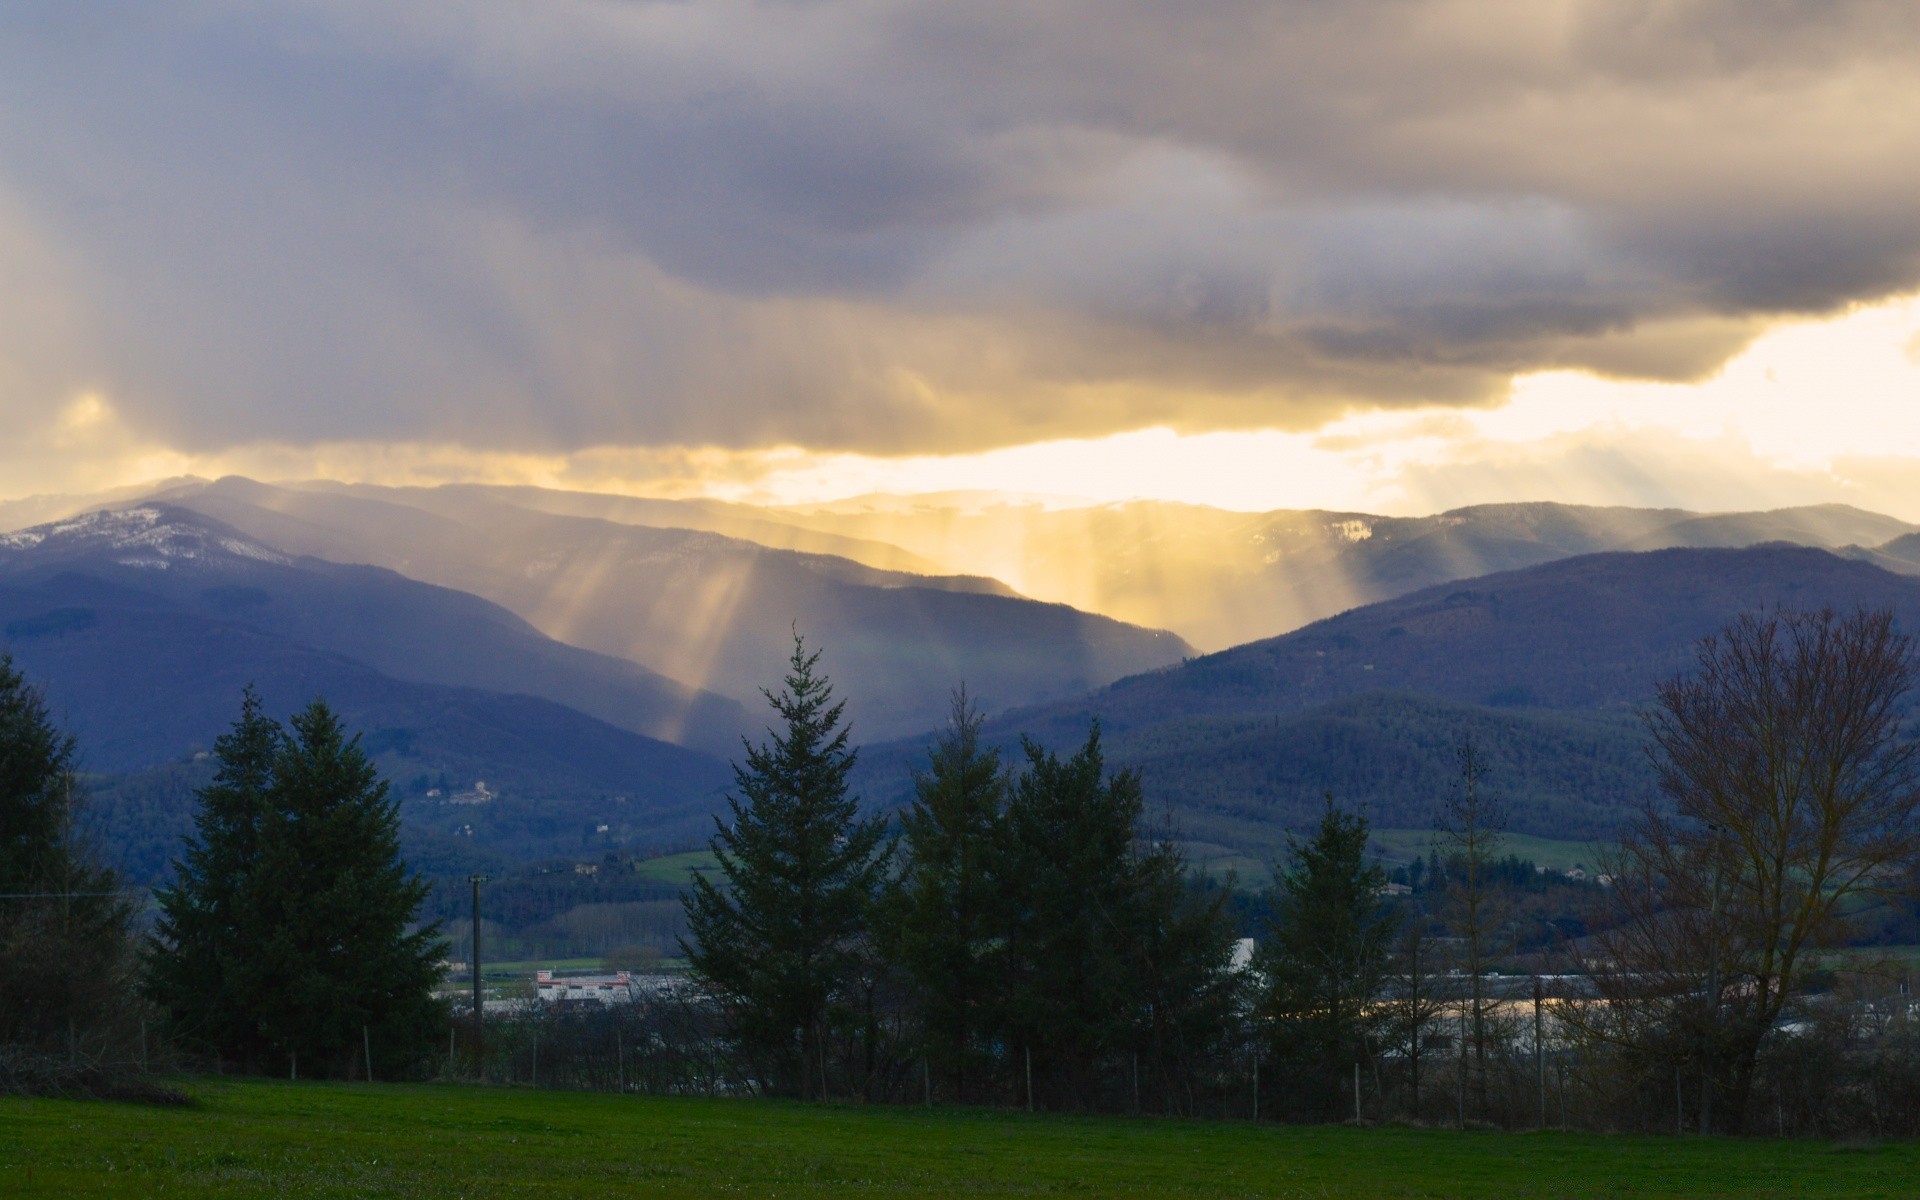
[1546,666]
[1593,632]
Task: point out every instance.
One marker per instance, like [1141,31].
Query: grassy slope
[331,1140]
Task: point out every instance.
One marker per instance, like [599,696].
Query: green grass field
[276,1139]
[1404,845]
[677,869]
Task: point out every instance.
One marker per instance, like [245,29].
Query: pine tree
[778,944]
[330,903]
[294,893]
[1329,933]
[63,930]
[1185,994]
[36,764]
[1071,981]
[945,911]
[203,933]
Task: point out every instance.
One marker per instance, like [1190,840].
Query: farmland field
[318,1139]
[1402,845]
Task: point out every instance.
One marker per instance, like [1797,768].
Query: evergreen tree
[63,930]
[36,770]
[1185,992]
[1326,955]
[294,891]
[1071,970]
[331,901]
[203,933]
[944,911]
[777,945]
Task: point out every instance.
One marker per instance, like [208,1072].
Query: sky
[1392,256]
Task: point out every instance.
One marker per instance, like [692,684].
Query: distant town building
[480,794]
[590,989]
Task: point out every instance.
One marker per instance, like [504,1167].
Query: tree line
[1025,940]
[286,936]
[1020,942]
[1022,935]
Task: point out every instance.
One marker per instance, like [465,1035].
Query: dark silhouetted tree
[312,940]
[1792,794]
[64,948]
[1325,959]
[945,911]
[205,930]
[782,939]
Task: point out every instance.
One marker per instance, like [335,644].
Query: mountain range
[1547,667]
[1221,579]
[543,672]
[713,611]
[143,626]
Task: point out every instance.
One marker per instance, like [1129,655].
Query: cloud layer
[902,226]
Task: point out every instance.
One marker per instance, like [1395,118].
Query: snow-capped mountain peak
[153,536]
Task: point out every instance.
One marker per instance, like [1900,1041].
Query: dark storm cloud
[918,225]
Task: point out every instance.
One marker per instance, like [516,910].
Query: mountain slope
[1828,525]
[706,609]
[708,516]
[1546,666]
[1223,578]
[1245,780]
[399,627]
[141,682]
[1583,633]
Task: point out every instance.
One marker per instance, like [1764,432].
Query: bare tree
[1414,1000]
[1471,823]
[1790,793]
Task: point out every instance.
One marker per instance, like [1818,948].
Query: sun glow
[1825,410]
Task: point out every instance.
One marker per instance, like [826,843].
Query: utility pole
[479,1037]
[1540,1050]
[1709,1028]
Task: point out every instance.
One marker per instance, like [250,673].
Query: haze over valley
[544,672]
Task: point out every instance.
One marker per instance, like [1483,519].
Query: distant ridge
[1217,578]
[1592,632]
[164,556]
[1225,578]
[1547,666]
[704,608]
[143,625]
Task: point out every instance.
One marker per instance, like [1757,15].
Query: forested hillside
[1546,667]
